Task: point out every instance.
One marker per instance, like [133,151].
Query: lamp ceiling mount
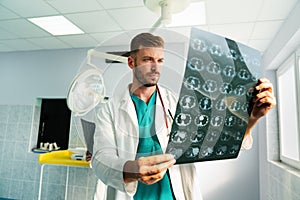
[173,6]
[165,8]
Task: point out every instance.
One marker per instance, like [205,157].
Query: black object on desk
[54,126]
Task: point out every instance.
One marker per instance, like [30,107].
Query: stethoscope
[164,108]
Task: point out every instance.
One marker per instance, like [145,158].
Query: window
[288,81]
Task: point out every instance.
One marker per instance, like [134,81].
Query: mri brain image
[244,74]
[230,121]
[179,136]
[192,83]
[177,152]
[216,50]
[183,119]
[240,90]
[212,136]
[221,105]
[229,71]
[201,120]
[216,120]
[192,152]
[214,68]
[235,105]
[238,136]
[234,149]
[205,103]
[196,64]
[206,151]
[198,45]
[226,88]
[197,136]
[226,136]
[221,150]
[210,86]
[214,101]
[188,102]
[232,54]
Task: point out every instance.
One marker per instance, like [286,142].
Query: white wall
[277,180]
[236,179]
[27,75]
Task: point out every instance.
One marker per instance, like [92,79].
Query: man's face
[147,64]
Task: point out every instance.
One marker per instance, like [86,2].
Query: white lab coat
[116,141]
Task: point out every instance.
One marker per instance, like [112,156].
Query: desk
[62,158]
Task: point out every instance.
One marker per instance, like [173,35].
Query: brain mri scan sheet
[215,99]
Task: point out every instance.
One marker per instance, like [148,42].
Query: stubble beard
[142,80]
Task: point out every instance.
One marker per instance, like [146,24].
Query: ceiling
[252,22]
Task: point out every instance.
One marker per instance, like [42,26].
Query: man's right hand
[148,170]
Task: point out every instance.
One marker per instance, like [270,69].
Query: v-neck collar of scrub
[142,108]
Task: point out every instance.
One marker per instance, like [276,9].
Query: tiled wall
[283,182]
[20,171]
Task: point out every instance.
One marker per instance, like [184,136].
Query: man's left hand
[264,100]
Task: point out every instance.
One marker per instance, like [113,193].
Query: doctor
[132,133]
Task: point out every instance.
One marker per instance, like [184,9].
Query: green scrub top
[149,145]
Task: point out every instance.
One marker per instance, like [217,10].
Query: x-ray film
[215,99]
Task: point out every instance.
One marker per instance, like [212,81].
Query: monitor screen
[54,123]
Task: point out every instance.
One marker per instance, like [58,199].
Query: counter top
[62,157]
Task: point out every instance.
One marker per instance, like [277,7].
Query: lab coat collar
[127,106]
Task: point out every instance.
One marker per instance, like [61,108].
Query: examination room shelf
[59,158]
